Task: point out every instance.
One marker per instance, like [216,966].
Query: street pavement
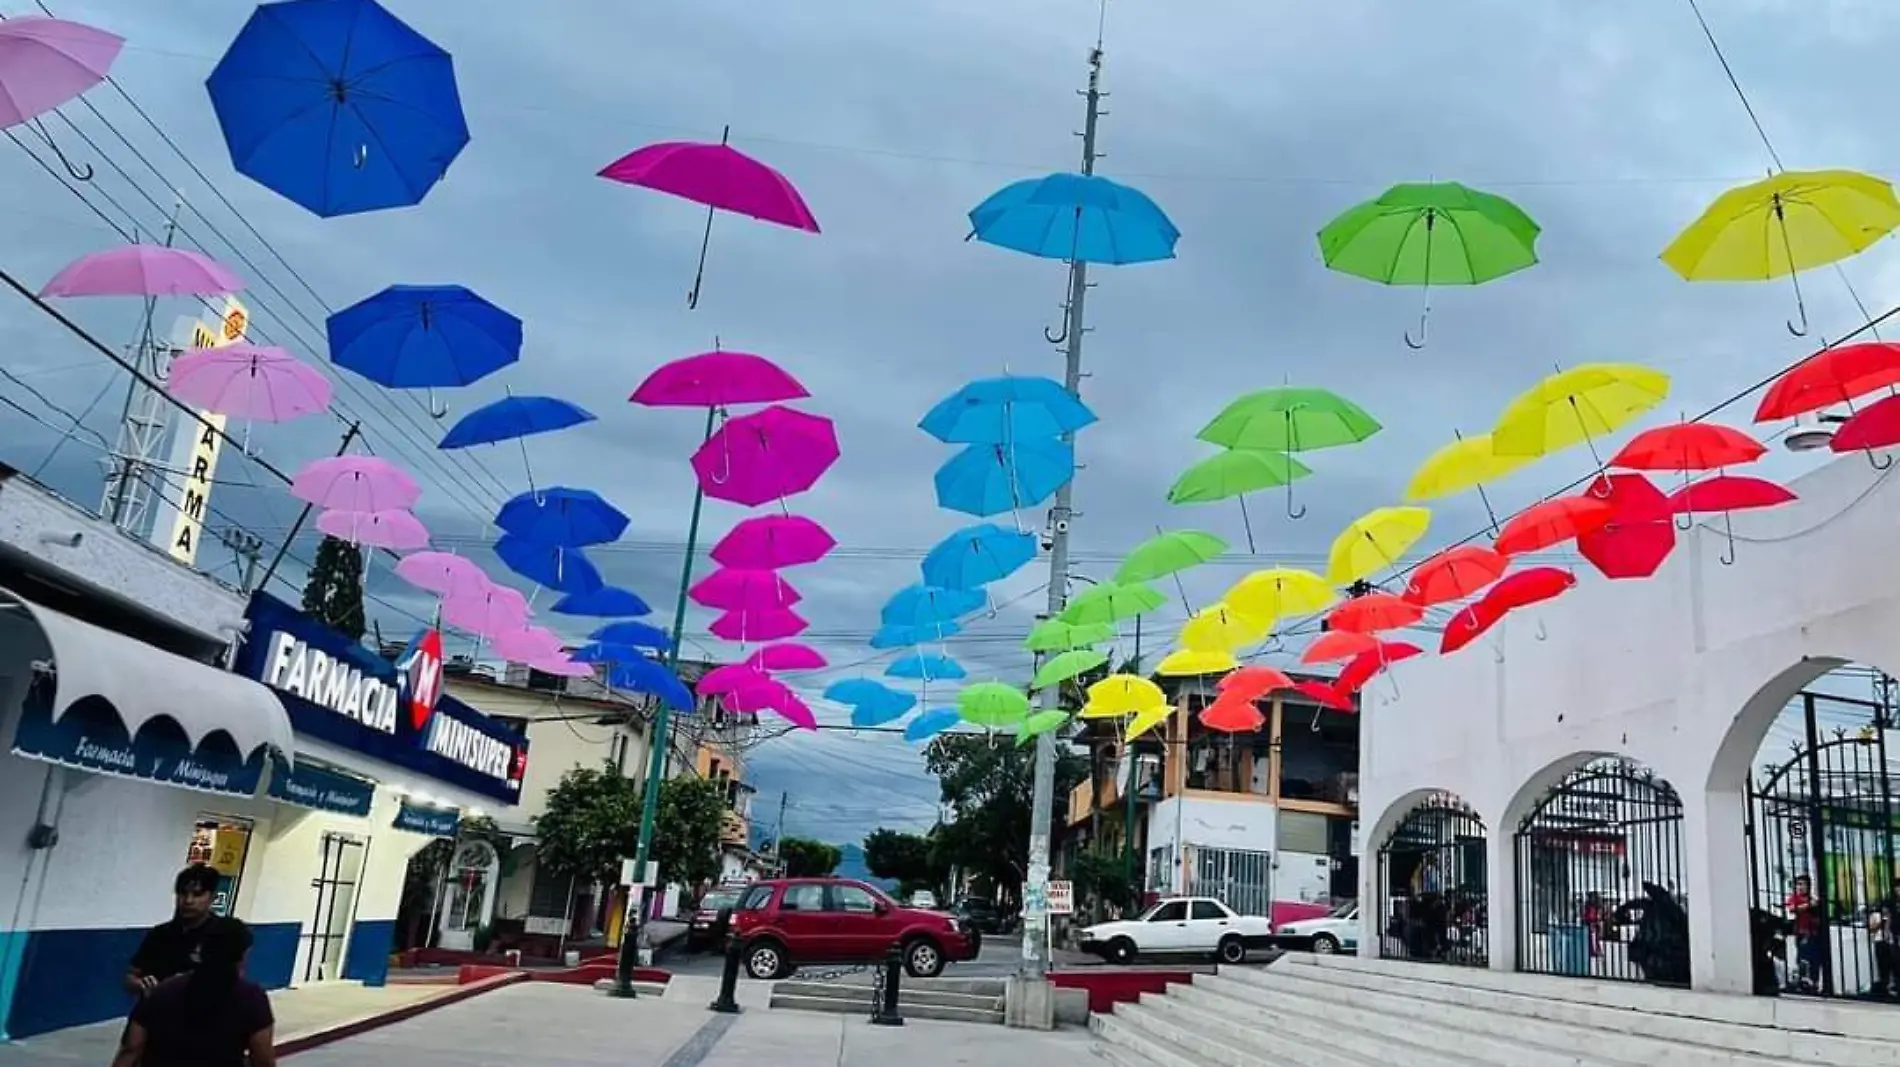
[999,958]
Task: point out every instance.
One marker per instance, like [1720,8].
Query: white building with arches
[1683,673]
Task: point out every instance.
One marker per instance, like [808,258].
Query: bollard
[728,1002]
[884,990]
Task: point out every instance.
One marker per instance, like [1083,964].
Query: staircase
[959,1000]
[1342,1011]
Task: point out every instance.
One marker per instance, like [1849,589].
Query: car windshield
[1343,911]
[721,899]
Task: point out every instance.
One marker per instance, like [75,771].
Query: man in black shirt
[173,948]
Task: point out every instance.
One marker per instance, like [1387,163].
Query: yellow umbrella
[1374,541]
[1466,463]
[1187,662]
[1785,224]
[1278,592]
[1122,694]
[1147,720]
[1219,628]
[1574,406]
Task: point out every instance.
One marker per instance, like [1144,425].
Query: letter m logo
[421,677]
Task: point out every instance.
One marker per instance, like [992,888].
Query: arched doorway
[1599,872]
[1432,884]
[1822,841]
[469,903]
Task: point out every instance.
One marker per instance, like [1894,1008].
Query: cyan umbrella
[607,602]
[856,691]
[561,516]
[652,678]
[423,337]
[549,566]
[633,635]
[931,723]
[926,666]
[985,480]
[995,411]
[890,636]
[978,555]
[925,606]
[884,711]
[1075,217]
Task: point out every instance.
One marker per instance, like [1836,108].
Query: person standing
[211,1016]
[1810,950]
[172,947]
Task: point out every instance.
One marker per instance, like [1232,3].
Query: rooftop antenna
[144,422]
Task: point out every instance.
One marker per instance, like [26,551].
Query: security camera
[69,540]
[1062,526]
[1811,433]
[1048,539]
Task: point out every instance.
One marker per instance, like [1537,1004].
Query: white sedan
[1326,935]
[1180,925]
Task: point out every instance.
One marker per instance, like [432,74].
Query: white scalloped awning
[143,683]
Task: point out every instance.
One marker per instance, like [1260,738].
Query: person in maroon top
[1810,951]
[212,1016]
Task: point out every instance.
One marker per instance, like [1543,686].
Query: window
[516,723]
[548,894]
[1207,909]
[1303,831]
[853,900]
[756,898]
[803,898]
[1173,911]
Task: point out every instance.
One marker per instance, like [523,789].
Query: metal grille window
[1433,885]
[549,893]
[1242,880]
[1303,831]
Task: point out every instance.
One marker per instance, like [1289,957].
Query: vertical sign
[195,447]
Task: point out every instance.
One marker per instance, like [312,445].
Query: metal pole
[1035,964]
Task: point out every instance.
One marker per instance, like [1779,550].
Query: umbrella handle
[81,172]
[1290,513]
[1420,343]
[1879,463]
[1540,633]
[437,408]
[1727,558]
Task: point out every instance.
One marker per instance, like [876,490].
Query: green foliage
[805,858]
[1102,875]
[906,859]
[686,830]
[989,786]
[591,823]
[333,594]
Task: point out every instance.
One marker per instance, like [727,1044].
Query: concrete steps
[1318,1011]
[964,1000]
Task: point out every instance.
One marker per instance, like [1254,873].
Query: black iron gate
[1599,878]
[1821,843]
[1433,886]
[338,874]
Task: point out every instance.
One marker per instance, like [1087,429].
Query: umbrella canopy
[528,644]
[558,515]
[1039,723]
[1111,602]
[512,417]
[560,666]
[1439,233]
[1729,492]
[1055,635]
[1232,715]
[1325,695]
[609,653]
[1123,694]
[1573,406]
[992,704]
[1369,663]
[864,693]
[140,270]
[338,106]
[1553,522]
[607,602]
[1834,376]
[891,635]
[1783,224]
[1081,217]
[1289,419]
[997,411]
[718,379]
[633,634]
[1373,542]
[765,456]
[878,712]
[788,656]
[769,624]
[727,589]
[355,483]
[978,555]
[1529,586]
[489,611]
[1683,447]
[1146,720]
[1234,472]
[1168,553]
[1220,628]
[1469,624]
[769,542]
[423,337]
[1067,666]
[1196,662]
[1335,645]
[985,480]
[731,678]
[442,573]
[392,529]
[1278,592]
[718,176]
[931,723]
[1375,612]
[643,675]
[1875,426]
[929,605]
[249,382]
[549,566]
[1641,532]
[46,62]
[1252,682]
[926,666]
[1455,573]
[1466,463]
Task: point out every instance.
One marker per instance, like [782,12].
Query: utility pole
[249,548]
[1035,966]
[144,422]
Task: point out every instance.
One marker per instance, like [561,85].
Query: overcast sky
[1251,124]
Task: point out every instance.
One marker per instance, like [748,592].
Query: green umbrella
[1233,473]
[1066,666]
[1430,234]
[992,704]
[1040,723]
[1054,635]
[1166,553]
[1290,419]
[1111,602]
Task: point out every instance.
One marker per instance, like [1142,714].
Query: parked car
[791,922]
[984,916]
[1177,926]
[712,918]
[1335,932]
[923,898]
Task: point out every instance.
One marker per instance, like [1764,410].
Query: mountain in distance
[851,865]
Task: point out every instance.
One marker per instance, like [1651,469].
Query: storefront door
[339,873]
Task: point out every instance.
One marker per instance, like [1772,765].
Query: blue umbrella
[513,417]
[549,566]
[931,723]
[1075,216]
[561,516]
[890,636]
[978,555]
[855,691]
[882,712]
[985,480]
[995,411]
[650,677]
[606,652]
[927,666]
[929,606]
[424,337]
[607,602]
[633,635]
[338,105]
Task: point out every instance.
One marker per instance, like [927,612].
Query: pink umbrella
[355,483]
[774,697]
[730,589]
[528,644]
[442,573]
[731,678]
[772,541]
[249,382]
[772,624]
[717,379]
[489,612]
[561,667]
[45,62]
[766,456]
[143,270]
[790,656]
[392,528]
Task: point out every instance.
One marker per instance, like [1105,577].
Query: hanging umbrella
[610,653]
[1220,628]
[1111,602]
[1782,225]
[872,703]
[931,723]
[928,605]
[634,635]
[1168,553]
[355,483]
[494,610]
[894,636]
[1726,494]
[442,573]
[1231,473]
[1640,533]
[1145,720]
[727,589]
[1531,585]
[858,691]
[1335,645]
[1289,419]
[528,644]
[992,704]
[1829,377]
[1325,695]
[1067,666]
[1039,723]
[718,176]
[881,712]
[788,656]
[1873,427]
[1685,447]
[1055,635]
[985,480]
[557,515]
[731,678]
[1454,574]
[769,542]
[1354,676]
[46,62]
[1466,463]
[1552,522]
[765,456]
[249,382]
[138,270]
[1124,694]
[1577,406]
[423,337]
[1441,233]
[770,624]
[1375,613]
[338,106]
[1374,541]
[1232,715]
[1469,624]
[561,667]
[718,379]
[926,666]
[998,411]
[647,676]
[1252,682]
[1079,217]
[549,566]
[392,529]
[512,417]
[978,555]
[1279,592]
[1195,662]
[607,602]
[789,707]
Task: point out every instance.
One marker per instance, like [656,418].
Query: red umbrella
[1527,587]
[1639,536]
[1367,664]
[1688,446]
[1875,426]
[1468,625]
[1455,573]
[1728,493]
[1337,645]
[1232,714]
[1553,522]
[1326,696]
[1252,682]
[1374,612]
[1836,376]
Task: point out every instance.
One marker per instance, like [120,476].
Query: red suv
[790,922]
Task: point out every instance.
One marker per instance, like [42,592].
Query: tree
[333,594]
[1102,876]
[990,786]
[686,829]
[590,824]
[805,858]
[903,858]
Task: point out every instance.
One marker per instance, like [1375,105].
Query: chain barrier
[832,975]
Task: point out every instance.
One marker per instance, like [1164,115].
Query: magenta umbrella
[718,176]
[788,656]
[528,644]
[771,624]
[718,379]
[442,573]
[392,528]
[355,483]
[775,697]
[486,612]
[143,270]
[730,679]
[728,589]
[249,382]
[766,456]
[772,541]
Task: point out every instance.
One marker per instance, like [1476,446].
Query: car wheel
[1121,950]
[923,959]
[1325,944]
[765,960]
[1233,949]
